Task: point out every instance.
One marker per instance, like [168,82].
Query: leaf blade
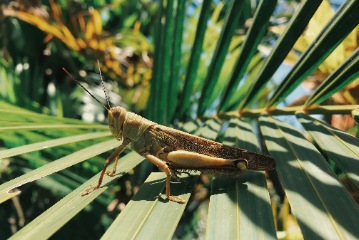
[309,183]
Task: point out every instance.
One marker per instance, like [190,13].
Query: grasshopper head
[116,115]
[116,118]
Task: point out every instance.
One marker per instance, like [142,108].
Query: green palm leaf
[58,155]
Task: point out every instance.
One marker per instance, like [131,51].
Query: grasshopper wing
[178,140]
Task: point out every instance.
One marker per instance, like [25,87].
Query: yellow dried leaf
[68,38]
[89,30]
[102,45]
[315,26]
[48,38]
[57,13]
[93,44]
[108,63]
[291,59]
[81,43]
[97,22]
[278,29]
[82,23]
[37,21]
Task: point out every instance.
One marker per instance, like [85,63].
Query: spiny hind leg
[164,168]
[162,154]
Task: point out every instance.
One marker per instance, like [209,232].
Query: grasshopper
[171,150]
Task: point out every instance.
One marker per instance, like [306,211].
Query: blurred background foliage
[39,38]
[74,34]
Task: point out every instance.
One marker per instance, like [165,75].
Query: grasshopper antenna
[73,78]
[103,84]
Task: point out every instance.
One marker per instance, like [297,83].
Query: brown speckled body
[158,140]
[204,146]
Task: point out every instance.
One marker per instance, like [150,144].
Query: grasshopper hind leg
[164,168]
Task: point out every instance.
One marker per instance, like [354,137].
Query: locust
[171,150]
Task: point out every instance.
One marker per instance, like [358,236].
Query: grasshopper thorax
[116,119]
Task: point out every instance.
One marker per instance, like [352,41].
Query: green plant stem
[330,109]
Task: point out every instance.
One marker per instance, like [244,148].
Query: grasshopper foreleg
[113,171]
[114,156]
[164,168]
